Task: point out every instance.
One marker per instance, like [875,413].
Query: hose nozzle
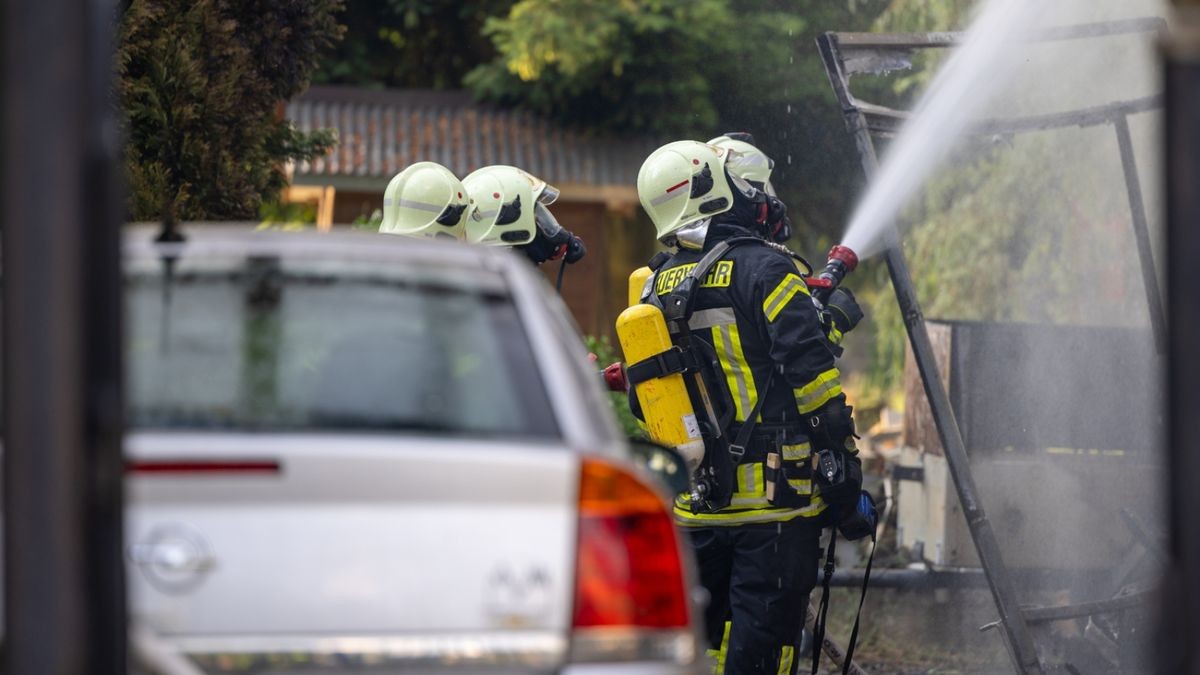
[842,261]
[844,256]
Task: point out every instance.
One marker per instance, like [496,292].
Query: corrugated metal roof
[383,131]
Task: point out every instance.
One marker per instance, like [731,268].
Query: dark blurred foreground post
[1181,598]
[64,592]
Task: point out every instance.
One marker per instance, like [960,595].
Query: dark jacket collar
[718,232]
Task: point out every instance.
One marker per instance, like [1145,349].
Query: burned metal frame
[863,121]
[837,48]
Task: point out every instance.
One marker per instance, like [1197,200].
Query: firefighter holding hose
[730,362]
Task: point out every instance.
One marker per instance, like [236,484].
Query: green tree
[425,44]
[202,86]
[690,68]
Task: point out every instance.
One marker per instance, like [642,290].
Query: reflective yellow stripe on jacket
[749,501]
[818,392]
[782,295]
[727,342]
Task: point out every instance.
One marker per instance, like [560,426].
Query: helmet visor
[741,163]
[548,195]
[546,222]
[742,185]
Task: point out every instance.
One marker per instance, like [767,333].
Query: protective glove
[575,250]
[563,244]
[614,377]
[862,521]
[843,310]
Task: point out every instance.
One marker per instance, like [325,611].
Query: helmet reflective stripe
[683,182]
[672,192]
[420,206]
[425,200]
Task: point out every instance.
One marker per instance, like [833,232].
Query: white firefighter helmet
[683,182]
[747,161]
[425,200]
[504,202]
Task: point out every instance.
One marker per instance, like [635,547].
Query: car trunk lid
[349,535]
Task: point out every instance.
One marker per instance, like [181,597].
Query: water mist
[974,72]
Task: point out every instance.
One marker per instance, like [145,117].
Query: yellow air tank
[637,281]
[666,407]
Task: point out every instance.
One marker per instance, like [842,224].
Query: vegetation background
[202,86]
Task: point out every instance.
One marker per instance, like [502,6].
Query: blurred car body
[364,452]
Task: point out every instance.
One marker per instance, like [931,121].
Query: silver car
[358,452]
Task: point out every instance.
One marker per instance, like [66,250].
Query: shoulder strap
[648,294]
[738,448]
[677,308]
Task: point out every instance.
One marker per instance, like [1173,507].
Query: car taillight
[631,597]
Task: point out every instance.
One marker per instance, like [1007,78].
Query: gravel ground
[914,632]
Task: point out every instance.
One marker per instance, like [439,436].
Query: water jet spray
[874,231]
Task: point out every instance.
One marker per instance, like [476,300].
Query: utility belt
[805,458]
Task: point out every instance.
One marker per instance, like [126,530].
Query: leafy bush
[201,86]
[606,353]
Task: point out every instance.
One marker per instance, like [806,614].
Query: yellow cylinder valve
[666,406]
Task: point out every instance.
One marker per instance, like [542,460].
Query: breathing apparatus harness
[713,481]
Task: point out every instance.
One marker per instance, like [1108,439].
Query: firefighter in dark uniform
[757,554]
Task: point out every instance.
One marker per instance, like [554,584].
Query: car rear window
[264,343]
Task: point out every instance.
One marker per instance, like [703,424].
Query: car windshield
[264,343]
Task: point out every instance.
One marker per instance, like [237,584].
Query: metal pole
[1178,651]
[100,232]
[1020,641]
[63,579]
[1141,232]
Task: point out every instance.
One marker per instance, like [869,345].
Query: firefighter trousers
[759,577]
